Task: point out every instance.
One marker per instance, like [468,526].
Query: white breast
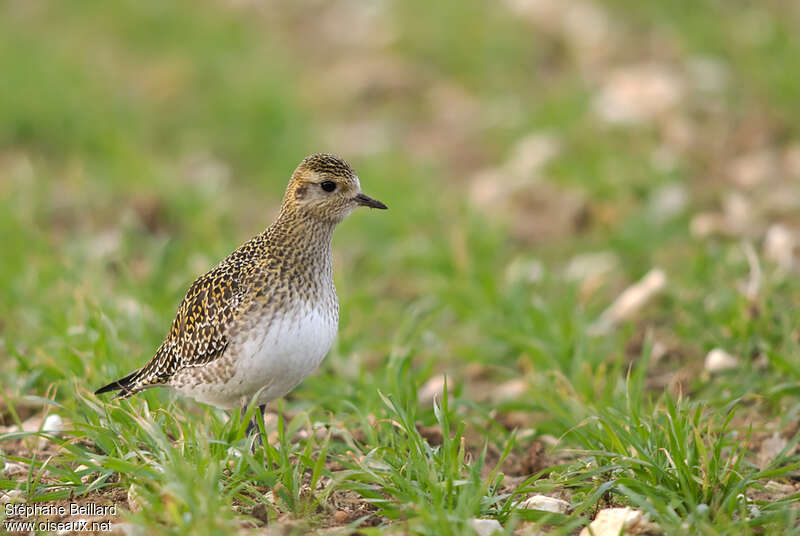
[275,357]
[289,349]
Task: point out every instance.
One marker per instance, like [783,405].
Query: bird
[263,319]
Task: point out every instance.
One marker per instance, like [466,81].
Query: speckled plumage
[264,317]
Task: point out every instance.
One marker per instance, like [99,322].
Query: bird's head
[326,188]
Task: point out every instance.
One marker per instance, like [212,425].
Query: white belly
[273,358]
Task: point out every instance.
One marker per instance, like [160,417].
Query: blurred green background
[538,158]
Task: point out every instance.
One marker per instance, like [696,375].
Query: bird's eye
[328,186]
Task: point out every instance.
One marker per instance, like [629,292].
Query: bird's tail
[126,385]
[152,374]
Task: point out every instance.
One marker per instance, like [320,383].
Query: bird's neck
[302,236]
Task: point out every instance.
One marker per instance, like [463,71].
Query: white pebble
[545,503]
[531,154]
[718,360]
[779,246]
[510,390]
[668,202]
[11,468]
[771,447]
[630,301]
[53,424]
[706,224]
[615,521]
[433,388]
[486,527]
[637,94]
[88,476]
[525,271]
[779,488]
[13,496]
[590,265]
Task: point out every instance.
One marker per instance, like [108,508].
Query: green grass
[141,142]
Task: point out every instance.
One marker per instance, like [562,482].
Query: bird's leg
[252,426]
[262,414]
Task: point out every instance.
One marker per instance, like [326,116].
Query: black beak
[366,201]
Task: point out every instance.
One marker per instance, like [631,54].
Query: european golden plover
[265,317]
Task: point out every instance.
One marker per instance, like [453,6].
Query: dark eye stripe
[328,186]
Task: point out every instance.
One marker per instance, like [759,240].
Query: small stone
[588,28]
[86,478]
[525,271]
[706,224]
[771,447]
[489,188]
[545,503]
[590,265]
[12,468]
[340,516]
[510,390]
[668,202]
[718,360]
[630,301]
[779,244]
[431,389]
[32,424]
[13,496]
[616,521]
[779,488]
[53,424]
[548,440]
[486,527]
[531,154]
[751,169]
[637,94]
[740,217]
